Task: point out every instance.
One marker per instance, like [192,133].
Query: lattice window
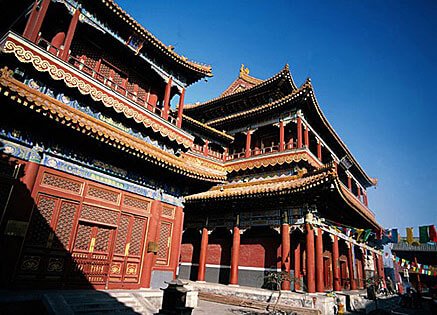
[39,228]
[98,214]
[102,239]
[137,236]
[65,224]
[62,183]
[168,212]
[83,237]
[122,230]
[137,203]
[103,194]
[164,243]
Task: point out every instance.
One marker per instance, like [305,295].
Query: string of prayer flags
[416,267]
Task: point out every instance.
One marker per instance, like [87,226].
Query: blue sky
[372,63]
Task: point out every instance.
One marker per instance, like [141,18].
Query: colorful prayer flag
[410,235]
[432,233]
[423,234]
[366,235]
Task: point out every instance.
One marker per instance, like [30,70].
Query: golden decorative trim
[42,65]
[104,132]
[266,187]
[244,75]
[270,161]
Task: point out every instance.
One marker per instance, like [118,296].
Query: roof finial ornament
[243,70]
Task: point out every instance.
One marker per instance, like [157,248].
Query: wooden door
[127,258]
[91,253]
[344,274]
[45,255]
[327,273]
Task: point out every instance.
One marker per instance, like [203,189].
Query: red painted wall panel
[187,253]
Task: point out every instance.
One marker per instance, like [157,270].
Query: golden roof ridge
[284,71]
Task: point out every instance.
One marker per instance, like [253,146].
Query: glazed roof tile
[281,185]
[285,72]
[260,109]
[371,181]
[167,50]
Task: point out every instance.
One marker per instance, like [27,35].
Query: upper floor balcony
[100,86]
[109,75]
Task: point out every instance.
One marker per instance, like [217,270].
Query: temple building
[108,181]
[292,194]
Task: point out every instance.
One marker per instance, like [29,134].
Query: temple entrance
[126,260]
[327,271]
[344,274]
[91,251]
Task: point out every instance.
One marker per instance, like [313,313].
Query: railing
[107,81]
[261,151]
[211,153]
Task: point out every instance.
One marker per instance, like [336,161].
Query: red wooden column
[281,136]
[336,264]
[235,256]
[70,34]
[180,109]
[307,137]
[202,258]
[35,20]
[358,191]
[351,266]
[311,279]
[166,108]
[363,273]
[320,285]
[380,268]
[30,172]
[248,139]
[319,150]
[151,237]
[349,183]
[205,148]
[299,132]
[297,267]
[225,154]
[366,201]
[285,251]
[176,243]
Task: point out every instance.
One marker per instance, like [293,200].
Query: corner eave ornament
[243,70]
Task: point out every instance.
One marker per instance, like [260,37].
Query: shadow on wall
[36,256]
